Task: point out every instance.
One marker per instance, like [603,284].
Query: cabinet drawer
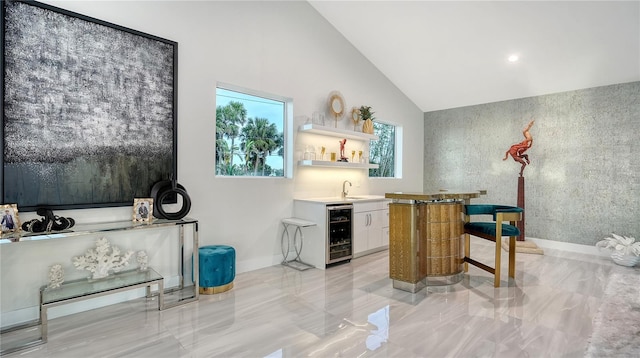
[370,206]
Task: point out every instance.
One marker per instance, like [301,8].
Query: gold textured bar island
[426,238]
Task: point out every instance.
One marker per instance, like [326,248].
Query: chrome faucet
[344,190]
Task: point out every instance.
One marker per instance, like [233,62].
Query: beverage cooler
[339,233]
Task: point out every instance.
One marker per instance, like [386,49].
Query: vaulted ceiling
[446,54]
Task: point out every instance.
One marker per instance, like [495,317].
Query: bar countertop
[436,195]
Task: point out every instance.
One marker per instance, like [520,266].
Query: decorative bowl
[625,260]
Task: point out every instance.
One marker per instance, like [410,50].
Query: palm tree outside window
[249,134]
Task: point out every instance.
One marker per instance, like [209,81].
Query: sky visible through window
[259,107]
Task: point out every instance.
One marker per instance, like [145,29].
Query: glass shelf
[85,287]
[92,228]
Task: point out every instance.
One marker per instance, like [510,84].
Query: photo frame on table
[10,220]
[143,209]
[89,108]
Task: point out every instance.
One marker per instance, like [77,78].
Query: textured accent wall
[584,178]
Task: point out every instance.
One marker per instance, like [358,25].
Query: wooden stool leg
[496,279]
[467,250]
[512,256]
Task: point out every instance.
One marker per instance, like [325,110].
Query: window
[250,133]
[383,150]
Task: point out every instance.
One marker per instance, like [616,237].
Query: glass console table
[84,289]
[79,290]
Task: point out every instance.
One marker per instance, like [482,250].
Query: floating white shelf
[326,163]
[336,132]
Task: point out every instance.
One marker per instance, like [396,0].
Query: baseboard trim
[567,246]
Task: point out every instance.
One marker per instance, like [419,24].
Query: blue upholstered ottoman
[217,268]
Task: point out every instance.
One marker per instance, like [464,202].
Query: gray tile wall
[584,178]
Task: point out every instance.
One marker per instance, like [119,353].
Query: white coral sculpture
[103,259]
[143,260]
[622,244]
[56,276]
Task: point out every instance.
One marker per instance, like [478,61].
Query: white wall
[283,48]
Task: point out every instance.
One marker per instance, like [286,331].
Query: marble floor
[560,305]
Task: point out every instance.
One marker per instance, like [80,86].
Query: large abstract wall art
[89,109]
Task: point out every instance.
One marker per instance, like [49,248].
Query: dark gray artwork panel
[89,110]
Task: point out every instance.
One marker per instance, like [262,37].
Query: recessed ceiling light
[513,58]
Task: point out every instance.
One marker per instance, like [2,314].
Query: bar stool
[296,263]
[492,231]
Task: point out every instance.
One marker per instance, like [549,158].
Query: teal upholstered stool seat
[217,268]
[489,228]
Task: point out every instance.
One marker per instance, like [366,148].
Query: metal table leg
[296,263]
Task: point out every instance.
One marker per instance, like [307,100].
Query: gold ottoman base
[217,289]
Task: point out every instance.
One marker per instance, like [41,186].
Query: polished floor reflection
[351,310]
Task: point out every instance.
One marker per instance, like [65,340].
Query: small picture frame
[9,218]
[142,209]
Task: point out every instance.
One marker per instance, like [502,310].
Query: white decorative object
[625,260]
[143,260]
[626,251]
[103,259]
[56,276]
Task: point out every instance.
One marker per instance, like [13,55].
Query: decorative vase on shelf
[367,126]
[367,116]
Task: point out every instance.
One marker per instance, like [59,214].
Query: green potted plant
[367,116]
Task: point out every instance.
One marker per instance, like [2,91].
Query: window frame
[287,131]
[397,161]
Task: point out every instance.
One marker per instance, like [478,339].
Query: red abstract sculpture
[342,143]
[517,150]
